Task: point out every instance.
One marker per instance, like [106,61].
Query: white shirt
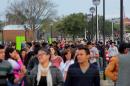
[14,64]
[66,66]
[93,52]
[113,51]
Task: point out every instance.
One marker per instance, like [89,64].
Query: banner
[49,40]
[19,41]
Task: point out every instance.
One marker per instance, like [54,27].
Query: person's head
[37,47]
[68,54]
[44,45]
[54,43]
[53,50]
[93,44]
[83,55]
[43,55]
[123,48]
[23,53]
[28,45]
[89,45]
[112,44]
[10,53]
[2,52]
[13,44]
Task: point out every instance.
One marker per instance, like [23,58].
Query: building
[11,31]
[127,22]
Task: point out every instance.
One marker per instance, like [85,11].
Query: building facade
[10,32]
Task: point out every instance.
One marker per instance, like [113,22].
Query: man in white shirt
[112,51]
[94,53]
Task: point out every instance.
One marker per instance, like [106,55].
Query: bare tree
[31,12]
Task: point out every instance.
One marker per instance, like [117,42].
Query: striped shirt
[5,69]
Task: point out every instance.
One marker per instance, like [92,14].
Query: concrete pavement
[107,83]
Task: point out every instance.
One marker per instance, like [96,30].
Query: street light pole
[92,27]
[121,21]
[2,35]
[85,34]
[92,10]
[97,29]
[25,33]
[51,30]
[85,19]
[97,26]
[112,30]
[96,3]
[103,29]
[2,31]
[88,16]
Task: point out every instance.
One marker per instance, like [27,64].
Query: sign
[50,40]
[96,2]
[19,41]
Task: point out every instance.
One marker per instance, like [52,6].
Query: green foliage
[1,23]
[127,29]
[45,25]
[72,25]
[116,27]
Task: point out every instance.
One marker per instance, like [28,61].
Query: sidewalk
[107,83]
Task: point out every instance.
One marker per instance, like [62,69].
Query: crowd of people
[57,64]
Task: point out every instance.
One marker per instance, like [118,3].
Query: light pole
[89,16]
[121,21]
[51,30]
[112,30]
[25,32]
[2,34]
[92,10]
[103,29]
[96,3]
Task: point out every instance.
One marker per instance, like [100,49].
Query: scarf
[49,77]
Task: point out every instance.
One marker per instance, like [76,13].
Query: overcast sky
[66,7]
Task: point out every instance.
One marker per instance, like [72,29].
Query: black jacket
[75,77]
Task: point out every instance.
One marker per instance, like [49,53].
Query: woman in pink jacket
[18,68]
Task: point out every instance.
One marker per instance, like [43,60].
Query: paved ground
[107,83]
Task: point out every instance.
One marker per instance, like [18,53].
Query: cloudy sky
[66,7]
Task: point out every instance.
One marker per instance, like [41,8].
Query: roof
[14,27]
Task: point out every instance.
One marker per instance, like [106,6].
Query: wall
[10,35]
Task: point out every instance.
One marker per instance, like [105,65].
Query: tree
[17,18]
[1,23]
[31,12]
[73,25]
